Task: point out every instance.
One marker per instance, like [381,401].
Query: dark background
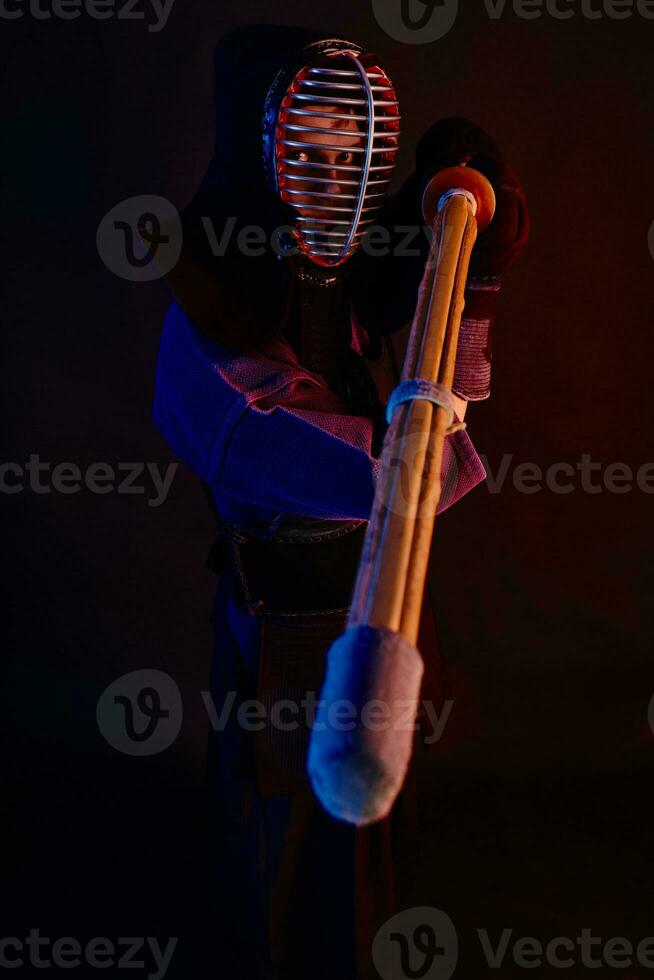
[541,813]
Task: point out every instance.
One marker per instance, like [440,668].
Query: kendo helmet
[331,133]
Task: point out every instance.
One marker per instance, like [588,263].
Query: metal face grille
[335,148]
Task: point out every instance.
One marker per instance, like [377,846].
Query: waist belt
[299,569]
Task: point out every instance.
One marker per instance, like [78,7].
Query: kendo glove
[450,143]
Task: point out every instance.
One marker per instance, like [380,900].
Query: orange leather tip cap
[467,179]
